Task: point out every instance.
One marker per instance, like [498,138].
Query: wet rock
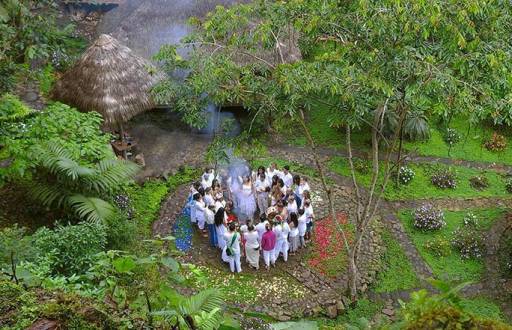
[332,311]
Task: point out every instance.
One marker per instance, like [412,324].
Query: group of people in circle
[263,214]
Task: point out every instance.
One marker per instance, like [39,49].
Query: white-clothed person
[293,238]
[207,178]
[272,170]
[232,249]
[200,211]
[220,227]
[292,205]
[278,230]
[260,227]
[285,231]
[303,186]
[246,201]
[287,176]
[252,247]
[208,197]
[302,227]
[262,190]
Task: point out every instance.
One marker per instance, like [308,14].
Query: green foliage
[479,182]
[60,181]
[28,33]
[11,108]
[15,247]
[46,79]
[17,307]
[421,187]
[70,249]
[79,133]
[364,309]
[445,310]
[451,268]
[497,143]
[120,231]
[439,247]
[397,272]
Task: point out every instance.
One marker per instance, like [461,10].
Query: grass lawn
[483,307]
[469,148]
[421,187]
[450,268]
[397,272]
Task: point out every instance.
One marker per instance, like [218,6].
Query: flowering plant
[468,242]
[405,175]
[508,185]
[445,179]
[497,143]
[427,217]
[327,254]
[479,182]
[451,137]
[439,247]
[470,220]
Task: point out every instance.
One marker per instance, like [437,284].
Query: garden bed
[451,268]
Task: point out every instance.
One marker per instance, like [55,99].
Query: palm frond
[110,173]
[416,127]
[206,301]
[209,320]
[91,208]
[48,195]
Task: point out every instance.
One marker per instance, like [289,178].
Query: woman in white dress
[252,247]
[294,233]
[220,227]
[302,227]
[246,201]
[200,211]
[232,238]
[292,205]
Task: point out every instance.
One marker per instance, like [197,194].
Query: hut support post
[121,133]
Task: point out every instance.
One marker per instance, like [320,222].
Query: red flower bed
[327,250]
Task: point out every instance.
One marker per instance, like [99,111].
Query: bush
[451,137]
[439,247]
[11,108]
[426,217]
[361,166]
[470,220]
[445,179]
[505,254]
[120,231]
[508,185]
[405,175]
[496,143]
[70,249]
[467,240]
[479,182]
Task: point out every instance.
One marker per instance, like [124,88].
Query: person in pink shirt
[268,243]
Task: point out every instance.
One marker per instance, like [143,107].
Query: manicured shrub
[439,247]
[467,240]
[451,136]
[479,182]
[405,175]
[496,143]
[470,220]
[427,217]
[361,166]
[445,179]
[70,249]
[508,185]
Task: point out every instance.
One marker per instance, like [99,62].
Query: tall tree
[406,58]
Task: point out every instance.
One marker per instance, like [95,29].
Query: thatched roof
[110,79]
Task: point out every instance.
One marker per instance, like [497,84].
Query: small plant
[439,247]
[479,182]
[361,166]
[496,143]
[405,175]
[445,179]
[508,185]
[451,137]
[467,240]
[470,220]
[427,217]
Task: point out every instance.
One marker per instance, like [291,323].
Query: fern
[91,208]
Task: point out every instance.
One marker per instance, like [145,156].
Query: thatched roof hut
[110,79]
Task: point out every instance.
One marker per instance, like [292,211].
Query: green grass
[364,309]
[421,187]
[483,307]
[450,268]
[397,273]
[469,148]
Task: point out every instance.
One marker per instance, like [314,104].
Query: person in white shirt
[262,191]
[232,238]
[207,178]
[281,232]
[292,205]
[308,212]
[293,238]
[208,197]
[285,246]
[252,247]
[272,170]
[303,186]
[302,227]
[287,176]
[200,211]
[220,227]
[260,227]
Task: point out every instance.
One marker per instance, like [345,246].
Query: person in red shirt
[268,243]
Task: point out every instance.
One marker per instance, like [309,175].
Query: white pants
[234,263]
[200,223]
[278,249]
[268,257]
[284,250]
[262,202]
